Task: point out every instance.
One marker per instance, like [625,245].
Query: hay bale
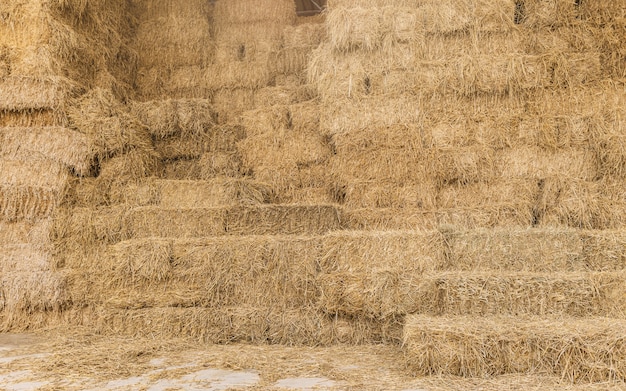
[240,66]
[603,250]
[220,139]
[30,189]
[383,219]
[281,95]
[282,219]
[27,282]
[369,27]
[258,325]
[518,194]
[88,227]
[208,166]
[24,93]
[575,203]
[178,41]
[585,350]
[574,294]
[376,274]
[229,104]
[60,145]
[283,148]
[175,116]
[520,250]
[536,163]
[267,271]
[109,126]
[189,193]
[172,83]
[462,165]
[375,112]
[150,10]
[245,11]
[145,222]
[132,165]
[36,233]
[32,118]
[393,165]
[376,194]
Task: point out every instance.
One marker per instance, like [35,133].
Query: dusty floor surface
[88,362]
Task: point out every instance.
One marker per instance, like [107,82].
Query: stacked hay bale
[283,146]
[247,36]
[174,45]
[51,53]
[450,104]
[480,119]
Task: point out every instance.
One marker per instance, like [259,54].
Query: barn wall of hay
[231,172]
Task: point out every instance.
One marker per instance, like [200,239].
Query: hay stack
[174,47]
[586,350]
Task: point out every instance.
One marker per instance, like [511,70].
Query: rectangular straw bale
[165,118]
[410,138]
[239,66]
[150,10]
[148,221]
[208,166]
[383,219]
[189,193]
[290,183]
[541,13]
[173,41]
[375,112]
[603,250]
[461,164]
[32,118]
[235,324]
[393,165]
[135,164]
[231,103]
[577,350]
[36,233]
[262,32]
[290,61]
[189,82]
[30,190]
[35,290]
[346,75]
[283,147]
[537,163]
[516,193]
[19,93]
[575,203]
[281,95]
[282,219]
[220,139]
[476,218]
[560,39]
[307,35]
[518,250]
[383,194]
[86,192]
[87,226]
[248,11]
[370,27]
[58,144]
[261,270]
[376,274]
[22,258]
[573,69]
[574,294]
